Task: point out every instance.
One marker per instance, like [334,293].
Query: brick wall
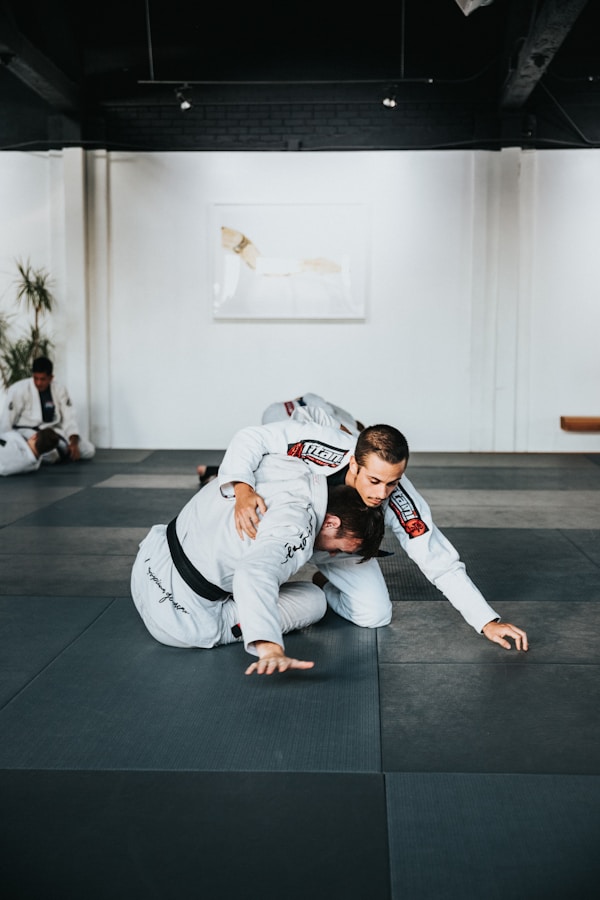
[427,117]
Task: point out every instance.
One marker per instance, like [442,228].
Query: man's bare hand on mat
[273,659]
[497,631]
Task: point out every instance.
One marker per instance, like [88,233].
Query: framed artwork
[289,261]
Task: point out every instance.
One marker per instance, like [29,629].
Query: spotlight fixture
[184,102]
[390,101]
[469,6]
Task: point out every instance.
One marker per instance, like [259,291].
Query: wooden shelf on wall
[580,423]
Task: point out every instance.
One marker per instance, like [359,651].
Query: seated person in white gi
[40,402]
[22,451]
[196,584]
[374,464]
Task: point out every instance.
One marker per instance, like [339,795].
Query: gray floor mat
[166,836]
[434,632]
[499,837]
[561,478]
[34,631]
[507,717]
[505,564]
[285,775]
[116,699]
[127,507]
[78,576]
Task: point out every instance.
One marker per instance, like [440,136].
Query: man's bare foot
[206,474]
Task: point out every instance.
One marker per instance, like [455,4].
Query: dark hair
[387,442]
[42,364]
[358,520]
[46,440]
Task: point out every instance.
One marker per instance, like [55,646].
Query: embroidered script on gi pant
[166,594]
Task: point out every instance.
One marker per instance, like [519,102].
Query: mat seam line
[57,656]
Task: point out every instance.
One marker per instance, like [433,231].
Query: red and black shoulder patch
[407,513]
[317,452]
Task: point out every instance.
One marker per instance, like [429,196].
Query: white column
[68,252]
[98,290]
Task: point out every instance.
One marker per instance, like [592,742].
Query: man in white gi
[40,402]
[21,451]
[374,464]
[196,584]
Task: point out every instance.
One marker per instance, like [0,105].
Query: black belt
[192,577]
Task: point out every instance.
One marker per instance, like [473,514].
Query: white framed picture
[289,261]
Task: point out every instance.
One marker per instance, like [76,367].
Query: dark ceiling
[535,61]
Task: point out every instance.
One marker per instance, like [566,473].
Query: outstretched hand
[249,507]
[498,631]
[272,659]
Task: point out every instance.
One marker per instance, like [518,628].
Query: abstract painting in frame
[289,261]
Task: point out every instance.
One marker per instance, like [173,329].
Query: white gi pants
[176,616]
[356,590]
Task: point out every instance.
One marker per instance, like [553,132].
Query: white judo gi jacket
[16,455]
[358,591]
[253,572]
[25,409]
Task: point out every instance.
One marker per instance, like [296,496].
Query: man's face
[41,380]
[376,479]
[328,539]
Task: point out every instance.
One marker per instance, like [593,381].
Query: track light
[184,102]
[469,6]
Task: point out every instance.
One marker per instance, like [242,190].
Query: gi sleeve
[15,402]
[283,544]
[245,451]
[325,449]
[409,517]
[65,410]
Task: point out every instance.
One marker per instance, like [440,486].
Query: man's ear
[331,521]
[353,465]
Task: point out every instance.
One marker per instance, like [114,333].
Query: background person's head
[350,526]
[45,440]
[379,461]
[42,372]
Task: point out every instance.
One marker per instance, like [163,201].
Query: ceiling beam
[33,68]
[550,28]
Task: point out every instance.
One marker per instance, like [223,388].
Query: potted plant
[33,289]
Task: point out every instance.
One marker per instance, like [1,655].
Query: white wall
[42,221]
[564,314]
[203,378]
[481,314]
